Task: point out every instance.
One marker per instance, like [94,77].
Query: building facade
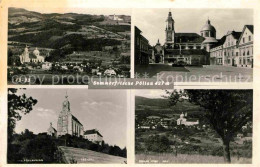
[68,123]
[245,46]
[26,57]
[230,48]
[142,53]
[234,49]
[184,48]
[93,136]
[216,53]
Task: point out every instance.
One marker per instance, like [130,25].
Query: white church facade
[184,121]
[26,57]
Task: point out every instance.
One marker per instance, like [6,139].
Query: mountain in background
[79,32]
[161,107]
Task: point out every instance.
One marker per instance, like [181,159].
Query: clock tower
[169,31]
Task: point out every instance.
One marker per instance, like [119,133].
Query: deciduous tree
[227,111]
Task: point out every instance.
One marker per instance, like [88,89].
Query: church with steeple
[184,48]
[67,122]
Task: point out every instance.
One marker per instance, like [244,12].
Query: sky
[152,21]
[150,93]
[92,11]
[105,110]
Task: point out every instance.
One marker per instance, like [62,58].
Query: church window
[206,34]
[248,52]
[243,39]
[249,38]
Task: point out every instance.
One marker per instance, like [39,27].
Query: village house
[94,136]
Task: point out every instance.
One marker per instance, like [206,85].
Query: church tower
[67,122]
[64,116]
[169,31]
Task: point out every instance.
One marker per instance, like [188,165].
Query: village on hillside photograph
[67,126]
[194,45]
[50,47]
[193,126]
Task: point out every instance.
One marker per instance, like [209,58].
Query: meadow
[186,158]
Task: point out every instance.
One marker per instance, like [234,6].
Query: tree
[227,111]
[17,105]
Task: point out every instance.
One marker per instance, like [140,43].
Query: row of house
[153,122]
[234,49]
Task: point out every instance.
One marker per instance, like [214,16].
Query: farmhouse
[94,136]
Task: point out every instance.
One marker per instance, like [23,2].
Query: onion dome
[208,27]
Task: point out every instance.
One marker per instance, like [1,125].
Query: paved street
[88,156]
[197,74]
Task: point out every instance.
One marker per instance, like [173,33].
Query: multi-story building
[141,48]
[230,48]
[216,53]
[234,49]
[245,46]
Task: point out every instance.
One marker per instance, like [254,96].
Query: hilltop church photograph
[196,43]
[66,126]
[193,126]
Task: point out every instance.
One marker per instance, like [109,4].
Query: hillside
[85,156]
[78,32]
[161,107]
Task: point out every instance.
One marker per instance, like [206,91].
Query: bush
[158,144]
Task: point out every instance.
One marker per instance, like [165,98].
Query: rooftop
[92,131]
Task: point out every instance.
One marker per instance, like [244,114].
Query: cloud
[101,107]
[44,112]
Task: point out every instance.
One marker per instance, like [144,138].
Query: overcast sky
[93,11]
[152,21]
[105,110]
[150,93]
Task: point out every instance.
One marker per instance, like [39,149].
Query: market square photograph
[67,46]
[194,45]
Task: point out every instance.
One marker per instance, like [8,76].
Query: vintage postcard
[129,83]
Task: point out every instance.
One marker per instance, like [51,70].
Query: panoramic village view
[193,126]
[67,48]
[192,45]
[77,127]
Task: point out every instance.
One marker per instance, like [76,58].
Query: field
[186,158]
[87,156]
